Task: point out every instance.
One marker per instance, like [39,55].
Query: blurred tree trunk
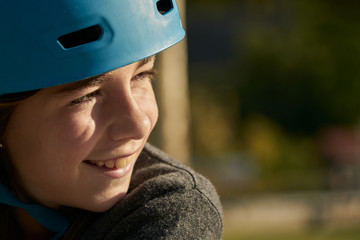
[174,98]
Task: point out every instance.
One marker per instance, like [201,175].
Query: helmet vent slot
[81,37]
[164,6]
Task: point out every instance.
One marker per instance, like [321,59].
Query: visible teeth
[120,163]
[100,164]
[109,164]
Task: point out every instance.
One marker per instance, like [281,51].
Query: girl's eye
[86,98]
[143,76]
[146,75]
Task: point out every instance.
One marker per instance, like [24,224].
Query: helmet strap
[47,217]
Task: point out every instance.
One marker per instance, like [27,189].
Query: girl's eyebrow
[94,81]
[82,84]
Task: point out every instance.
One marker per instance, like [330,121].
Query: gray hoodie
[166,200]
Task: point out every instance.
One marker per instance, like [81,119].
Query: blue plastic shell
[34,52]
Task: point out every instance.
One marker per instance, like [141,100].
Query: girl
[76,110]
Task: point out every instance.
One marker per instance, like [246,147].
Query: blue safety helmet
[46,43]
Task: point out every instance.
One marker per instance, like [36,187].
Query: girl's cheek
[77,128]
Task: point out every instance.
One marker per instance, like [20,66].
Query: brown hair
[8,102]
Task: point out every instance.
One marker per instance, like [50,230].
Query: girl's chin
[103,205]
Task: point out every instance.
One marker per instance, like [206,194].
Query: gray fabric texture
[166,200]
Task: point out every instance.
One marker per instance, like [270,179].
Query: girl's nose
[129,119]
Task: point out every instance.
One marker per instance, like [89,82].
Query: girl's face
[76,144]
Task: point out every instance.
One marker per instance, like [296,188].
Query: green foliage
[293,63]
[301,69]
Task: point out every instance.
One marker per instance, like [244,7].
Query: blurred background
[271,114]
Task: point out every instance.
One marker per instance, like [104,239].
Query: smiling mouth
[111,164]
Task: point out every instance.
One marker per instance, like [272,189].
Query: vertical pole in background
[174,98]
[357,158]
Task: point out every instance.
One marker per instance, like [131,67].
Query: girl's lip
[114,172]
[123,156]
[116,167]
[113,158]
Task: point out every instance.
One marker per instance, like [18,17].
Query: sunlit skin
[51,136]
